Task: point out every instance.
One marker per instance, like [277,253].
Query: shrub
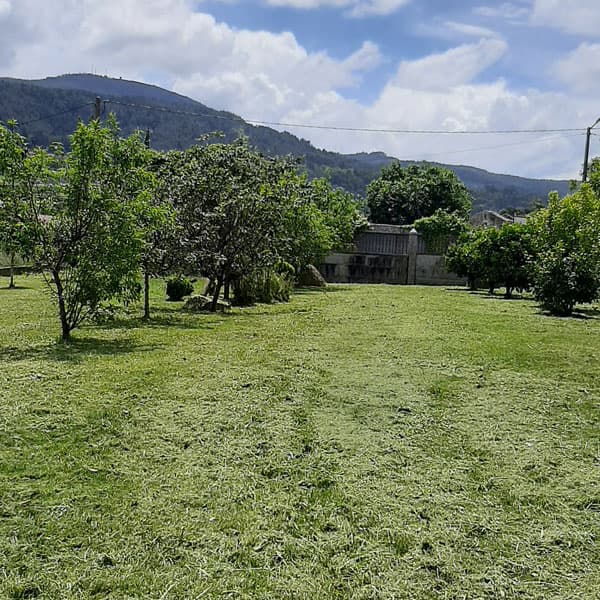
[567,236]
[178,287]
[263,286]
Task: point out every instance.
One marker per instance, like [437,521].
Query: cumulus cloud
[580,69]
[271,76]
[581,17]
[451,68]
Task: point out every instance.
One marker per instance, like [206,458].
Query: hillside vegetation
[29,102]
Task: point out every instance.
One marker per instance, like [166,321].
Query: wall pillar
[413,246]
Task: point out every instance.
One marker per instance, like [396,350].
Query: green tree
[401,195]
[84,210]
[227,211]
[494,257]
[567,238]
[13,231]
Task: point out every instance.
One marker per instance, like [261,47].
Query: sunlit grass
[364,442]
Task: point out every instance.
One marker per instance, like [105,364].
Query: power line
[64,112]
[341,128]
[496,147]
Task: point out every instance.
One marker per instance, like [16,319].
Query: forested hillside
[48,110]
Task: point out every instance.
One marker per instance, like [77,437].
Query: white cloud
[357,8]
[508,11]
[580,69]
[5,8]
[577,17]
[271,77]
[451,68]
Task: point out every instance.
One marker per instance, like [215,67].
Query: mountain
[48,109]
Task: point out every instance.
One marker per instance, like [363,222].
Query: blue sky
[383,64]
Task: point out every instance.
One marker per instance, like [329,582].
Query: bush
[178,287]
[263,286]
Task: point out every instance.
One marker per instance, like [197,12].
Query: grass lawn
[365,442]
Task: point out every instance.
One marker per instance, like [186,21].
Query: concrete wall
[365,268]
[431,270]
[401,260]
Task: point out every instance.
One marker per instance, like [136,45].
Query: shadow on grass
[76,351]
[330,289]
[498,295]
[165,317]
[579,314]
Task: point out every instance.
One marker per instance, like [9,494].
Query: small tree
[227,212]
[84,210]
[494,257]
[567,237]
[13,231]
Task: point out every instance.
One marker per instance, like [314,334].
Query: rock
[310,277]
[203,303]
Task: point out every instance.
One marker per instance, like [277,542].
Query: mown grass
[365,442]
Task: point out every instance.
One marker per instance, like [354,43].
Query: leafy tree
[465,257]
[567,236]
[13,236]
[243,214]
[84,209]
[226,209]
[510,257]
[494,257]
[401,195]
[318,219]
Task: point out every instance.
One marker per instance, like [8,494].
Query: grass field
[364,442]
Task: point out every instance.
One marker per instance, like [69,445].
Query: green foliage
[178,287]
[241,213]
[85,211]
[317,220]
[265,286]
[14,239]
[568,247]
[463,257]
[495,257]
[441,229]
[402,195]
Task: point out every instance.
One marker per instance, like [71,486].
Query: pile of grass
[363,442]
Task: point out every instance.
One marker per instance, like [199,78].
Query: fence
[390,254]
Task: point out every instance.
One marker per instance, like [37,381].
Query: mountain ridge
[31,102]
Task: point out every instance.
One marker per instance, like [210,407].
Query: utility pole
[97,104]
[587,150]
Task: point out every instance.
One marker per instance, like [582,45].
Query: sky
[400,65]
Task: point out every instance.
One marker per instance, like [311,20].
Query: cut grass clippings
[364,442]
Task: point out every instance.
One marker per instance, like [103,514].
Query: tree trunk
[11,285]
[215,299]
[146,316]
[62,308]
[227,290]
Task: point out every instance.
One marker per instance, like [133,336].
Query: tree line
[103,217]
[555,254]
